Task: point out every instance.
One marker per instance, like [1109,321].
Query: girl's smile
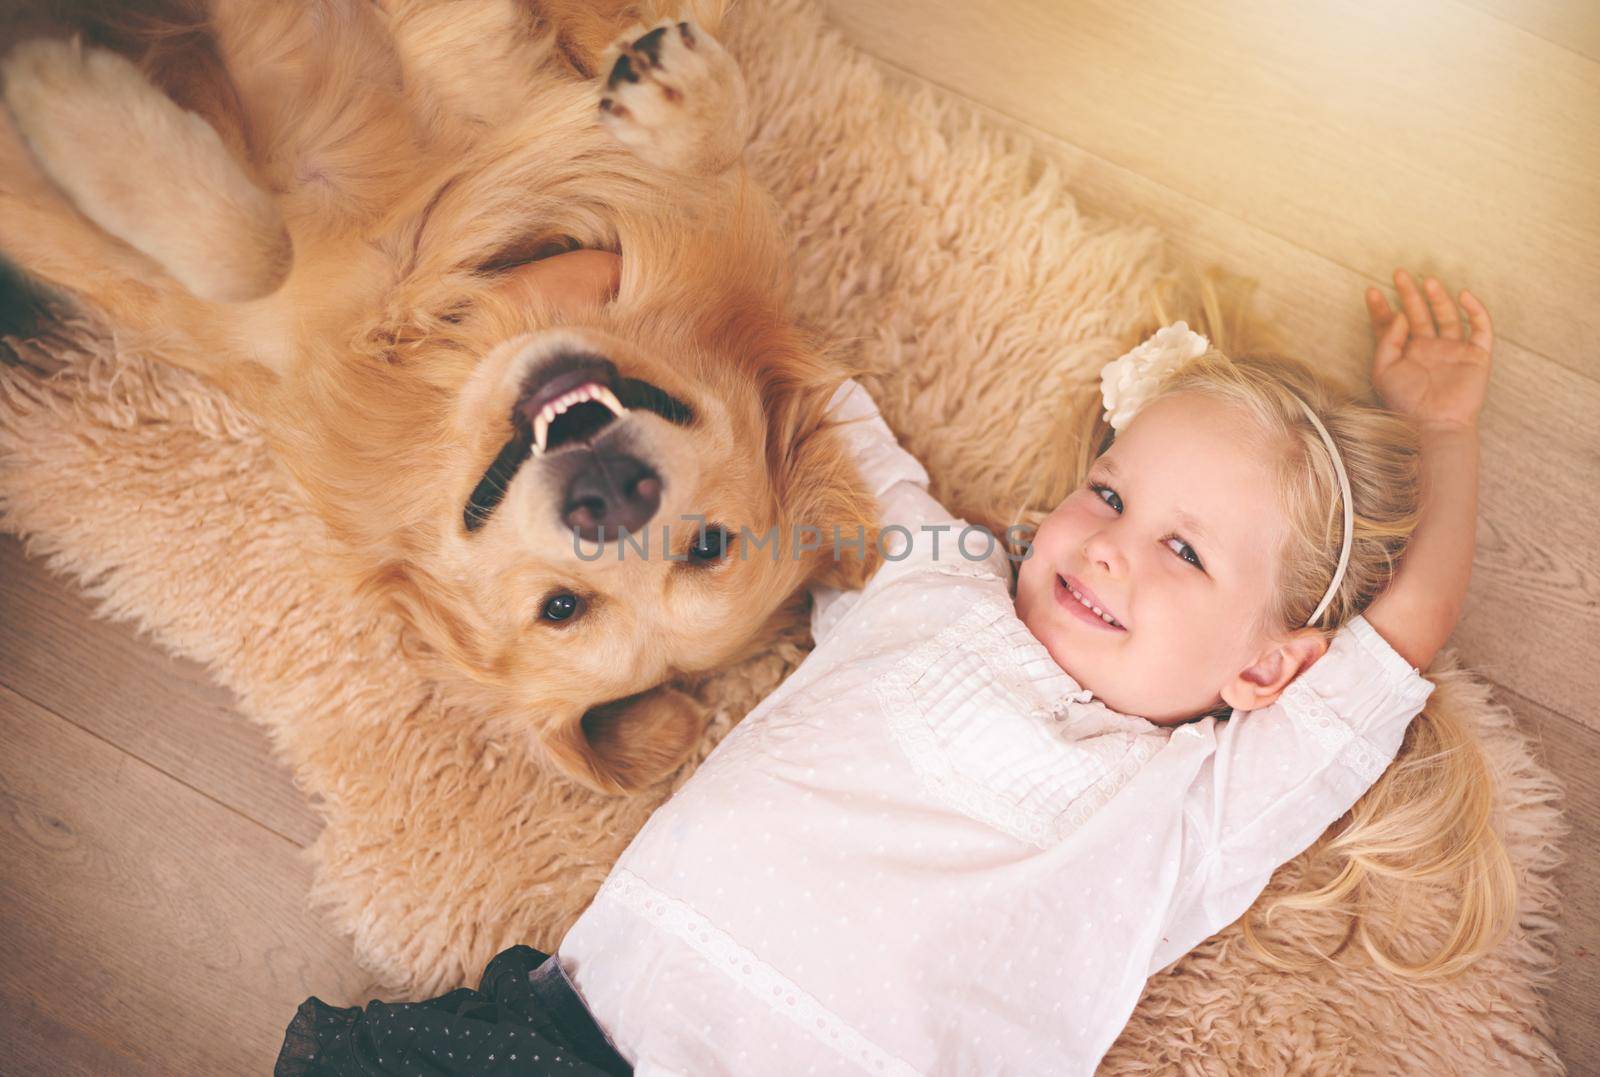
[1084,604]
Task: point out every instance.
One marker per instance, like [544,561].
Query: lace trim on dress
[1402,677]
[1332,733]
[989,728]
[1313,715]
[781,994]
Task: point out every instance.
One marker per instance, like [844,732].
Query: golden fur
[412,157]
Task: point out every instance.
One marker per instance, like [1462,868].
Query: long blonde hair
[1426,822]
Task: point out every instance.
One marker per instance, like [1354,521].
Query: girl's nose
[1101,549]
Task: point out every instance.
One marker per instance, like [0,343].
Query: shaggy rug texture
[949,256]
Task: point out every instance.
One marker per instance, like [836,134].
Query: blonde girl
[1412,465]
[999,795]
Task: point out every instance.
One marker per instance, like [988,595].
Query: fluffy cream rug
[959,267]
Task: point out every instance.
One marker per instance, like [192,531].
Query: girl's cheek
[1055,535]
[1078,517]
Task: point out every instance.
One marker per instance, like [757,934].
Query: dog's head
[631,497]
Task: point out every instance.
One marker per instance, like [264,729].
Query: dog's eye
[712,545]
[561,607]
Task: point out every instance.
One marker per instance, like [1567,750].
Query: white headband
[1128,382]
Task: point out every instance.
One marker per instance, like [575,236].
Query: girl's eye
[561,607]
[1099,490]
[1185,551]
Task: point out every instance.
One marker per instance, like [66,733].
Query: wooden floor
[153,917]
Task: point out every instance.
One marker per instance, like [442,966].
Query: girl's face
[1175,534]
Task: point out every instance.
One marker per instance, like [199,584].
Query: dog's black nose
[611,493]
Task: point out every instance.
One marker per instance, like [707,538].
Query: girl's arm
[1266,783]
[1419,609]
[893,476]
[1428,366]
[916,527]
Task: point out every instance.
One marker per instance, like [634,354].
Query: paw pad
[643,55]
[675,97]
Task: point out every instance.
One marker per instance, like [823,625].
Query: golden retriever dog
[329,208]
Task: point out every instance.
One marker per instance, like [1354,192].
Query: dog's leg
[676,98]
[470,66]
[322,88]
[146,171]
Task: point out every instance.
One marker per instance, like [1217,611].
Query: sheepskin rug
[950,257]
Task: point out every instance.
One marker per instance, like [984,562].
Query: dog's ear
[853,568]
[628,745]
[820,486]
[425,606]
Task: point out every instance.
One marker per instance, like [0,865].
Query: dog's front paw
[676,99]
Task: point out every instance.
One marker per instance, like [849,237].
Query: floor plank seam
[157,768]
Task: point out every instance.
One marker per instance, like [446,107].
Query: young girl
[991,804]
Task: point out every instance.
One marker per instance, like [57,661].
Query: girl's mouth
[1079,607]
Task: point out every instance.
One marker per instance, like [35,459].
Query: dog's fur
[323,207]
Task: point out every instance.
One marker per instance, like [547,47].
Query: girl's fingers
[1391,345]
[1478,317]
[1379,311]
[1411,302]
[1444,311]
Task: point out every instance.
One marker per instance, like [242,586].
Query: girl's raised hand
[1426,363]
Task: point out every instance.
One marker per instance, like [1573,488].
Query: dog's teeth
[568,400]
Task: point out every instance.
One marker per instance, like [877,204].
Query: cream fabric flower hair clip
[1126,383]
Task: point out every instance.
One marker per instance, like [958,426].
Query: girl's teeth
[1102,614]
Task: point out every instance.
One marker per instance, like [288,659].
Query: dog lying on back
[328,208]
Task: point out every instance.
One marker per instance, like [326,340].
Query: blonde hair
[1426,822]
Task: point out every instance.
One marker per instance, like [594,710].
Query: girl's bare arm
[1430,366]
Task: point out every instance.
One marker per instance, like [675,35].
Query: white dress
[929,851]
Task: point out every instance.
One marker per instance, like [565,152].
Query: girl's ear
[1263,681]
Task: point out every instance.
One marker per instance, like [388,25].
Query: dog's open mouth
[567,403]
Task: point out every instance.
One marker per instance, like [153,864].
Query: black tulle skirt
[525,1018]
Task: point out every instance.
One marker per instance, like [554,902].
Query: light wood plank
[1572,751]
[1534,598]
[1373,133]
[144,922]
[164,711]
[1571,24]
